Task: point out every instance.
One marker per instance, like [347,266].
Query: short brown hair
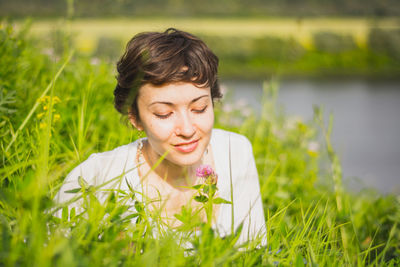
[160,58]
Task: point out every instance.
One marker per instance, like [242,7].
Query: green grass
[56,109]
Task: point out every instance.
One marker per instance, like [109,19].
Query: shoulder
[103,166]
[117,153]
[233,139]
[231,149]
[106,169]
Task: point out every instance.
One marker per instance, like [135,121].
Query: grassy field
[57,109]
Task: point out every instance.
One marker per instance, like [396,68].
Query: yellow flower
[47,99]
[56,99]
[40,115]
[56,117]
[42,125]
[44,99]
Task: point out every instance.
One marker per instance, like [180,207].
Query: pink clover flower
[204,171]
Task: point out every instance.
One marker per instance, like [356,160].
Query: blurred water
[366,132]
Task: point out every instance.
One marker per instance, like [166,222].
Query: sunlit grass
[311,218]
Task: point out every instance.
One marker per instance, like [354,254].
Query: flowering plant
[207,190]
[207,173]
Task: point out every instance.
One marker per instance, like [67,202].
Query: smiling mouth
[187,147]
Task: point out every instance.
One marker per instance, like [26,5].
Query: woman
[167,85]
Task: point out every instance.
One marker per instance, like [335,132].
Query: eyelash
[163,116]
[169,114]
[201,110]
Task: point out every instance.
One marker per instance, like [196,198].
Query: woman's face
[178,118]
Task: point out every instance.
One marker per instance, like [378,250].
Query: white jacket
[233,155]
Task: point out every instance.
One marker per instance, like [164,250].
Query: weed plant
[57,109]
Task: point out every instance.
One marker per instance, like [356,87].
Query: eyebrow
[172,104]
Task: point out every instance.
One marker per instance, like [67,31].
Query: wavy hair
[160,58]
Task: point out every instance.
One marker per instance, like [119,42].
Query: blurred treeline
[97,8]
[330,55]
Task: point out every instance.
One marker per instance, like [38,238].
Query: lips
[187,147]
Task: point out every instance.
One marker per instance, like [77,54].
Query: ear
[135,121]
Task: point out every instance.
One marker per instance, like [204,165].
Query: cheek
[205,123]
[159,130]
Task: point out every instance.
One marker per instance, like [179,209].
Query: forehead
[176,93]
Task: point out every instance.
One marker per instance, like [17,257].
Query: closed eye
[200,110]
[163,116]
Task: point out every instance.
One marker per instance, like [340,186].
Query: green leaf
[112,198]
[130,188]
[139,206]
[116,214]
[91,189]
[214,189]
[210,189]
[201,198]
[82,182]
[134,215]
[180,217]
[64,214]
[206,189]
[299,261]
[219,200]
[73,191]
[197,186]
[72,213]
[239,229]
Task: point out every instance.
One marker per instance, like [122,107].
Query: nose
[185,126]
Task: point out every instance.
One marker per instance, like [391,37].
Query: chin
[185,160]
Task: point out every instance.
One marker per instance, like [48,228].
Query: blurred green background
[254,39]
